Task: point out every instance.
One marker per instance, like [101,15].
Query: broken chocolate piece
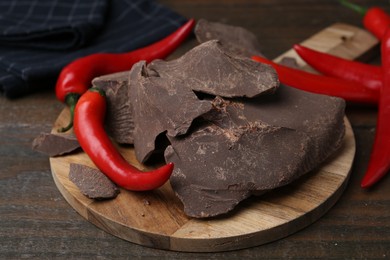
[209,69]
[160,105]
[92,182]
[119,119]
[234,39]
[249,146]
[55,144]
[216,168]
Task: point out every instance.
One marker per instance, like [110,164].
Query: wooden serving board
[156,218]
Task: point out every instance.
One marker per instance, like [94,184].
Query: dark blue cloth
[39,37]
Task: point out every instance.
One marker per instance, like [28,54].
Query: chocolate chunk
[119,119]
[234,39]
[160,105]
[209,69]
[92,182]
[55,144]
[319,116]
[249,146]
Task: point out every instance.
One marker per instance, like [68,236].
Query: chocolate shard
[247,147]
[92,182]
[119,119]
[234,39]
[209,69]
[160,105]
[55,144]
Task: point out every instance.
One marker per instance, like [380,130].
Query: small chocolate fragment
[119,119]
[234,39]
[55,144]
[92,182]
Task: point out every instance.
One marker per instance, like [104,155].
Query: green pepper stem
[98,90]
[71,100]
[357,8]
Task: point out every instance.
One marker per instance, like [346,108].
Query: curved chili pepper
[379,163]
[375,19]
[89,130]
[358,72]
[321,84]
[76,77]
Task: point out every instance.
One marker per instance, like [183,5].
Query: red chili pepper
[358,72]
[375,19]
[89,130]
[76,77]
[379,163]
[321,84]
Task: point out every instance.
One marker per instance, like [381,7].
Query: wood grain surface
[36,222]
[156,219]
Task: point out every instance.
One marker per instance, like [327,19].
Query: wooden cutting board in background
[156,219]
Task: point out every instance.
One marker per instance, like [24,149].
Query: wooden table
[36,221]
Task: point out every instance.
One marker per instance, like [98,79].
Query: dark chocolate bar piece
[55,144]
[92,182]
[209,69]
[161,105]
[234,39]
[249,146]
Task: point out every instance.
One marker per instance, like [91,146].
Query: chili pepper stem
[71,100]
[359,9]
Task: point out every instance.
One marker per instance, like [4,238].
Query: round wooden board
[156,219]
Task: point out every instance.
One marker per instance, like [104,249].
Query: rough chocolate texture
[209,69]
[55,144]
[92,182]
[163,98]
[119,119]
[160,105]
[234,39]
[246,147]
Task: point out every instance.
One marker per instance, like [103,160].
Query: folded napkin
[57,25]
[39,37]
